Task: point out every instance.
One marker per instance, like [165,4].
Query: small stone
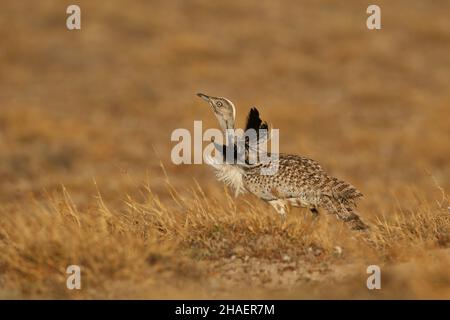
[338,250]
[316,252]
[286,258]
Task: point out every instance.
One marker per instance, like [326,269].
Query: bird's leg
[314,212]
[280,206]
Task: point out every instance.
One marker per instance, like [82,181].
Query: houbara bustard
[298,181]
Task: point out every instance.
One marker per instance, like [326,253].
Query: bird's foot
[315,212]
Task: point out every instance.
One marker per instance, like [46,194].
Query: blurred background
[100,103]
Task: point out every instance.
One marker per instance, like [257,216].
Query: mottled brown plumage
[298,181]
[301,182]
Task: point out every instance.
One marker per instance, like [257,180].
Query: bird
[298,181]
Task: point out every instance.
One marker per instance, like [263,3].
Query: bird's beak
[204,97]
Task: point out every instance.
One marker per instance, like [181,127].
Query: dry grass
[100,105]
[132,251]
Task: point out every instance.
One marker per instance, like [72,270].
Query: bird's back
[298,177]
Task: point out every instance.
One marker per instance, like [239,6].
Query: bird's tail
[355,222]
[343,192]
[344,212]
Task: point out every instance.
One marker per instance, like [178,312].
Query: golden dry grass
[86,119]
[203,246]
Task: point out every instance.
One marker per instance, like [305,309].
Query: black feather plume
[255,122]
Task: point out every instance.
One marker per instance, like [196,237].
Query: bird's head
[223,109]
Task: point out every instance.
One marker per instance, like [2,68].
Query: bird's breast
[231,175]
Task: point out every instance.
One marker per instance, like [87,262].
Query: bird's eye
[219,104]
